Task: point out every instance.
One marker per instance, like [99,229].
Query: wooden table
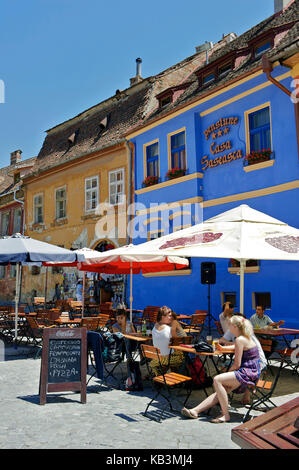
[271,332]
[137,337]
[272,430]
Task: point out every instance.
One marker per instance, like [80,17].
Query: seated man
[260,320]
[227,313]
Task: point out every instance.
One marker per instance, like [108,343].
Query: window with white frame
[116,186]
[60,203]
[91,193]
[38,209]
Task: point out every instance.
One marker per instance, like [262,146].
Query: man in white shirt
[260,320]
[227,313]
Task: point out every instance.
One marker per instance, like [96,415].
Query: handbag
[202,346]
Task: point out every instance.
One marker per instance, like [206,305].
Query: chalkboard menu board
[64,361]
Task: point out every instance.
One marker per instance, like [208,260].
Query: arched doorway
[108,287]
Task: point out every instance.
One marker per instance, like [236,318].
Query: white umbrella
[241,233]
[128,260]
[20,249]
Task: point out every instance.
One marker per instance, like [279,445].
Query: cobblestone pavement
[111,419]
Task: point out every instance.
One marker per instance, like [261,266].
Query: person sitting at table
[161,334]
[227,313]
[244,371]
[122,325]
[228,339]
[176,328]
[261,321]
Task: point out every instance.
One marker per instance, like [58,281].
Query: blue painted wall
[185,294]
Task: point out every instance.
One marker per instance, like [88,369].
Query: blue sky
[59,57]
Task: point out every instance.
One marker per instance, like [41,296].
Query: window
[152,159]
[262,48]
[165,101]
[178,151]
[60,201]
[259,130]
[116,186]
[12,271]
[229,297]
[5,223]
[2,272]
[35,270]
[262,298]
[224,69]
[38,209]
[155,234]
[208,78]
[91,193]
[17,220]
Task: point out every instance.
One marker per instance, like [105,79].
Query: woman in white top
[161,334]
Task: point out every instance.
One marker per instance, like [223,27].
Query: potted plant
[257,156]
[150,181]
[175,173]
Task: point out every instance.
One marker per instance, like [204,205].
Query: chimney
[280,5]
[15,157]
[138,78]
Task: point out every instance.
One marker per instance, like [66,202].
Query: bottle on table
[143,329]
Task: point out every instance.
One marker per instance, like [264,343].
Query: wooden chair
[149,315]
[196,324]
[34,331]
[91,323]
[286,355]
[168,380]
[104,322]
[38,301]
[262,392]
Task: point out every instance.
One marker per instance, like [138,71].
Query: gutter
[267,69]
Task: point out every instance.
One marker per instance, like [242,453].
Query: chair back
[175,341]
[65,316]
[150,352]
[150,313]
[266,344]
[197,319]
[103,319]
[39,300]
[91,323]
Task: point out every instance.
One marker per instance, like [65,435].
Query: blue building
[227,135]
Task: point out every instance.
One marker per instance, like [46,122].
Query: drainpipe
[130,147]
[20,202]
[267,69]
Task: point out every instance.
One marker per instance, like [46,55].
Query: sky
[60,57]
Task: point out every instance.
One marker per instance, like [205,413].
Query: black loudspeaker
[208,273]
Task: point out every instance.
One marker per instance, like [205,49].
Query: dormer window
[72,138]
[165,101]
[262,48]
[209,78]
[224,69]
[17,177]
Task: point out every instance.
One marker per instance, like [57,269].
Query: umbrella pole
[46,287]
[242,266]
[17,302]
[83,294]
[131,291]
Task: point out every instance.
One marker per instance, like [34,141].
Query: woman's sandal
[188,414]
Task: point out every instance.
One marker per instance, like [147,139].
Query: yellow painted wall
[78,225]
